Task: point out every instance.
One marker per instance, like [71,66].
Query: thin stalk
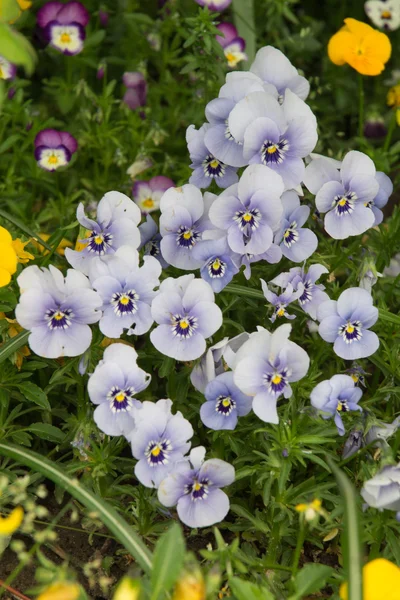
[361,106]
[300,541]
[392,127]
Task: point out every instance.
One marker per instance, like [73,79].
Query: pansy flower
[54,149]
[275,135]
[281,302]
[383,490]
[217,5]
[296,242]
[136,94]
[381,580]
[274,68]
[250,211]
[7,69]
[232,45]
[184,218]
[113,387]
[8,257]
[158,441]
[382,197]
[116,226]
[127,291]
[384,14]
[266,365]
[57,310]
[346,323]
[194,488]
[206,167]
[64,25]
[218,260]
[345,195]
[147,194]
[187,315]
[225,403]
[150,239]
[312,295]
[336,396]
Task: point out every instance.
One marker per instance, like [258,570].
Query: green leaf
[23,227]
[16,48]
[245,590]
[243,14]
[385,315]
[352,551]
[311,578]
[13,345]
[9,10]
[167,561]
[47,432]
[108,515]
[35,394]
[241,290]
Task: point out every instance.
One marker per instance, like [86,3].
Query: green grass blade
[111,519]
[13,344]
[352,551]
[243,14]
[24,228]
[241,290]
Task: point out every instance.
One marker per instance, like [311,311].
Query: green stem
[392,126]
[300,541]
[361,106]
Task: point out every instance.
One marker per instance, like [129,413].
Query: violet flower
[296,242]
[274,68]
[336,396]
[219,266]
[383,490]
[194,487]
[147,194]
[281,301]
[7,69]
[232,45]
[225,403]
[216,5]
[64,25]
[312,295]
[136,94]
[54,149]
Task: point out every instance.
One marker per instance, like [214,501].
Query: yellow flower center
[58,316]
[339,406]
[276,379]
[226,402]
[156,451]
[286,234]
[354,377]
[214,164]
[386,14]
[350,328]
[280,313]
[272,149]
[65,38]
[197,486]
[120,397]
[53,159]
[247,217]
[98,240]
[148,203]
[124,300]
[183,323]
[187,235]
[342,202]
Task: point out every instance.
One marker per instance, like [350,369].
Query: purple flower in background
[113,386]
[212,363]
[218,266]
[101,71]
[336,396]
[7,69]
[187,316]
[147,194]
[375,127]
[218,138]
[57,310]
[312,295]
[225,403]
[116,226]
[127,291]
[217,5]
[250,212]
[344,195]
[204,164]
[184,218]
[64,25]
[159,440]
[278,136]
[266,365]
[194,487]
[296,242]
[136,94]
[282,301]
[150,239]
[103,17]
[382,197]
[346,323]
[232,44]
[273,67]
[54,149]
[383,490]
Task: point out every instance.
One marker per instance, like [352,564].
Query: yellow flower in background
[8,257]
[310,510]
[61,591]
[12,331]
[393,97]
[11,523]
[22,255]
[60,248]
[381,581]
[360,46]
[190,587]
[128,589]
[24,4]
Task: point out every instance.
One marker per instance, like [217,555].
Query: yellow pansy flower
[393,97]
[381,581]
[12,331]
[360,46]
[190,587]
[128,589]
[22,255]
[8,257]
[60,248]
[61,591]
[11,522]
[310,510]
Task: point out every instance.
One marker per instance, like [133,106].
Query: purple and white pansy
[233,45]
[384,14]
[312,295]
[136,93]
[57,310]
[64,25]
[147,194]
[54,149]
[296,242]
[336,396]
[281,302]
[186,315]
[116,225]
[158,441]
[224,403]
[7,69]
[113,387]
[266,365]
[346,323]
[217,5]
[219,262]
[194,488]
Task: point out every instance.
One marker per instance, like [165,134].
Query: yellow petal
[365,64]
[5,277]
[11,523]
[5,236]
[398,116]
[22,254]
[381,581]
[24,4]
[339,44]
[358,28]
[301,507]
[128,589]
[380,45]
[8,258]
[61,591]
